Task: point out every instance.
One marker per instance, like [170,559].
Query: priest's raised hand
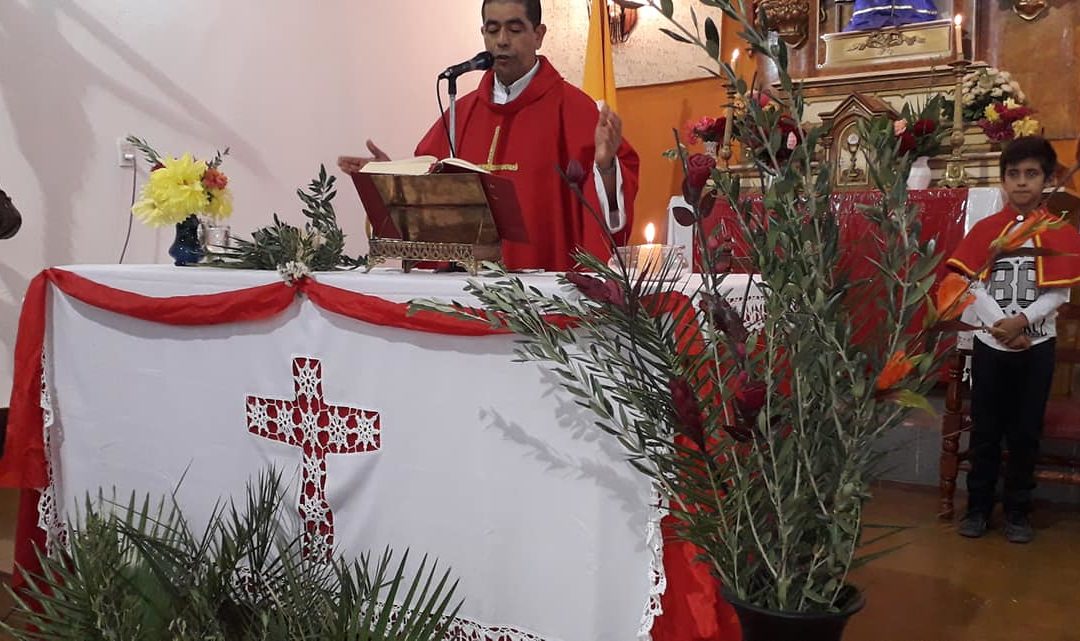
[608,138]
[353,164]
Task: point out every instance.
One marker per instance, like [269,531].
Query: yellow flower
[173,192]
[220,205]
[1011,104]
[991,113]
[1026,127]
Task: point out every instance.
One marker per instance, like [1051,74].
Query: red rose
[907,142]
[575,173]
[687,411]
[724,317]
[749,396]
[609,292]
[699,169]
[924,127]
[214,179]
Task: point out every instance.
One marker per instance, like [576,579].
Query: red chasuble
[525,140]
[1050,271]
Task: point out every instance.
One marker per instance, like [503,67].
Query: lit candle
[650,255]
[731,94]
[958,35]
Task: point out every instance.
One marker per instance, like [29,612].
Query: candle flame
[734,56]
[650,233]
[958,20]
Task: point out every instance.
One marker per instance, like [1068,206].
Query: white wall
[287,84]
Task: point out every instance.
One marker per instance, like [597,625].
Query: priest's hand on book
[353,164]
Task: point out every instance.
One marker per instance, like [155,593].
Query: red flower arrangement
[1004,121]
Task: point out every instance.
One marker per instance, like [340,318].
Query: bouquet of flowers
[920,132]
[986,86]
[181,187]
[1004,121]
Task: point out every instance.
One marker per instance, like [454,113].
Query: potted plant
[759,435]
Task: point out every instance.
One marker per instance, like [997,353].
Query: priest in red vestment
[525,122]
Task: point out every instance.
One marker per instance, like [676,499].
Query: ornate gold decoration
[924,41]
[788,18]
[886,41]
[1029,9]
[409,251]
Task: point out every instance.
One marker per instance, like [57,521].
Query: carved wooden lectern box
[459,218]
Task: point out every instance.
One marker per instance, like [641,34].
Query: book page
[417,166]
[451,165]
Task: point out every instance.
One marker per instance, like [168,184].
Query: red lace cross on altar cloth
[310,423]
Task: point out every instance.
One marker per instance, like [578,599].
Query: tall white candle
[958,35]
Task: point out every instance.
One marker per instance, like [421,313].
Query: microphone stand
[451,89]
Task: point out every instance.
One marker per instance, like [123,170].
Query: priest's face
[512,38]
[1024,182]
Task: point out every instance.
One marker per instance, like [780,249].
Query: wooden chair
[1061,423]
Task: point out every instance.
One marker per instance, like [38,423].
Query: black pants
[1008,398]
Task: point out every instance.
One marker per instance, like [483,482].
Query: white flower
[293,271]
[995,92]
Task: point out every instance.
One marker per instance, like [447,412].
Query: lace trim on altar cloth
[654,539]
[49,518]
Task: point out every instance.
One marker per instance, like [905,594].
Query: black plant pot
[760,624]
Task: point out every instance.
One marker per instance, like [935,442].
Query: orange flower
[895,370]
[1035,224]
[953,296]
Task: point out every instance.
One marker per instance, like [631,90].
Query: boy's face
[1024,183]
[511,38]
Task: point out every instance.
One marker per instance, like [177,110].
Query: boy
[1013,360]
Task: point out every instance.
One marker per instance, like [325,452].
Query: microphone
[480,62]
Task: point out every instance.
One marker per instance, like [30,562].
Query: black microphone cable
[442,116]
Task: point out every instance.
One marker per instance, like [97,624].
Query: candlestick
[725,151]
[955,173]
[958,36]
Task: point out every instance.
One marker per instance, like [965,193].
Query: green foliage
[761,434]
[318,246]
[135,572]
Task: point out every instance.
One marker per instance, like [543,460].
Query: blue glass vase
[186,248]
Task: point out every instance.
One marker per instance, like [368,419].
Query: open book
[421,165]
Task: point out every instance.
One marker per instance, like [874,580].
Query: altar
[150,379]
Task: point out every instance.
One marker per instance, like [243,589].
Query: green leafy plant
[138,572]
[760,430]
[295,251]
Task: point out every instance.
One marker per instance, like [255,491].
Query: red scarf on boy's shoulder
[1062,270]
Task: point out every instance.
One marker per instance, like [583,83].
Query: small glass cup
[215,236]
[658,262]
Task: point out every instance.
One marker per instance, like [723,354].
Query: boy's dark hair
[532,10]
[1030,148]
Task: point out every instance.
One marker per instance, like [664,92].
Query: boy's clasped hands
[1010,332]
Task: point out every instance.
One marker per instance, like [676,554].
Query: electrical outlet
[125,153]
